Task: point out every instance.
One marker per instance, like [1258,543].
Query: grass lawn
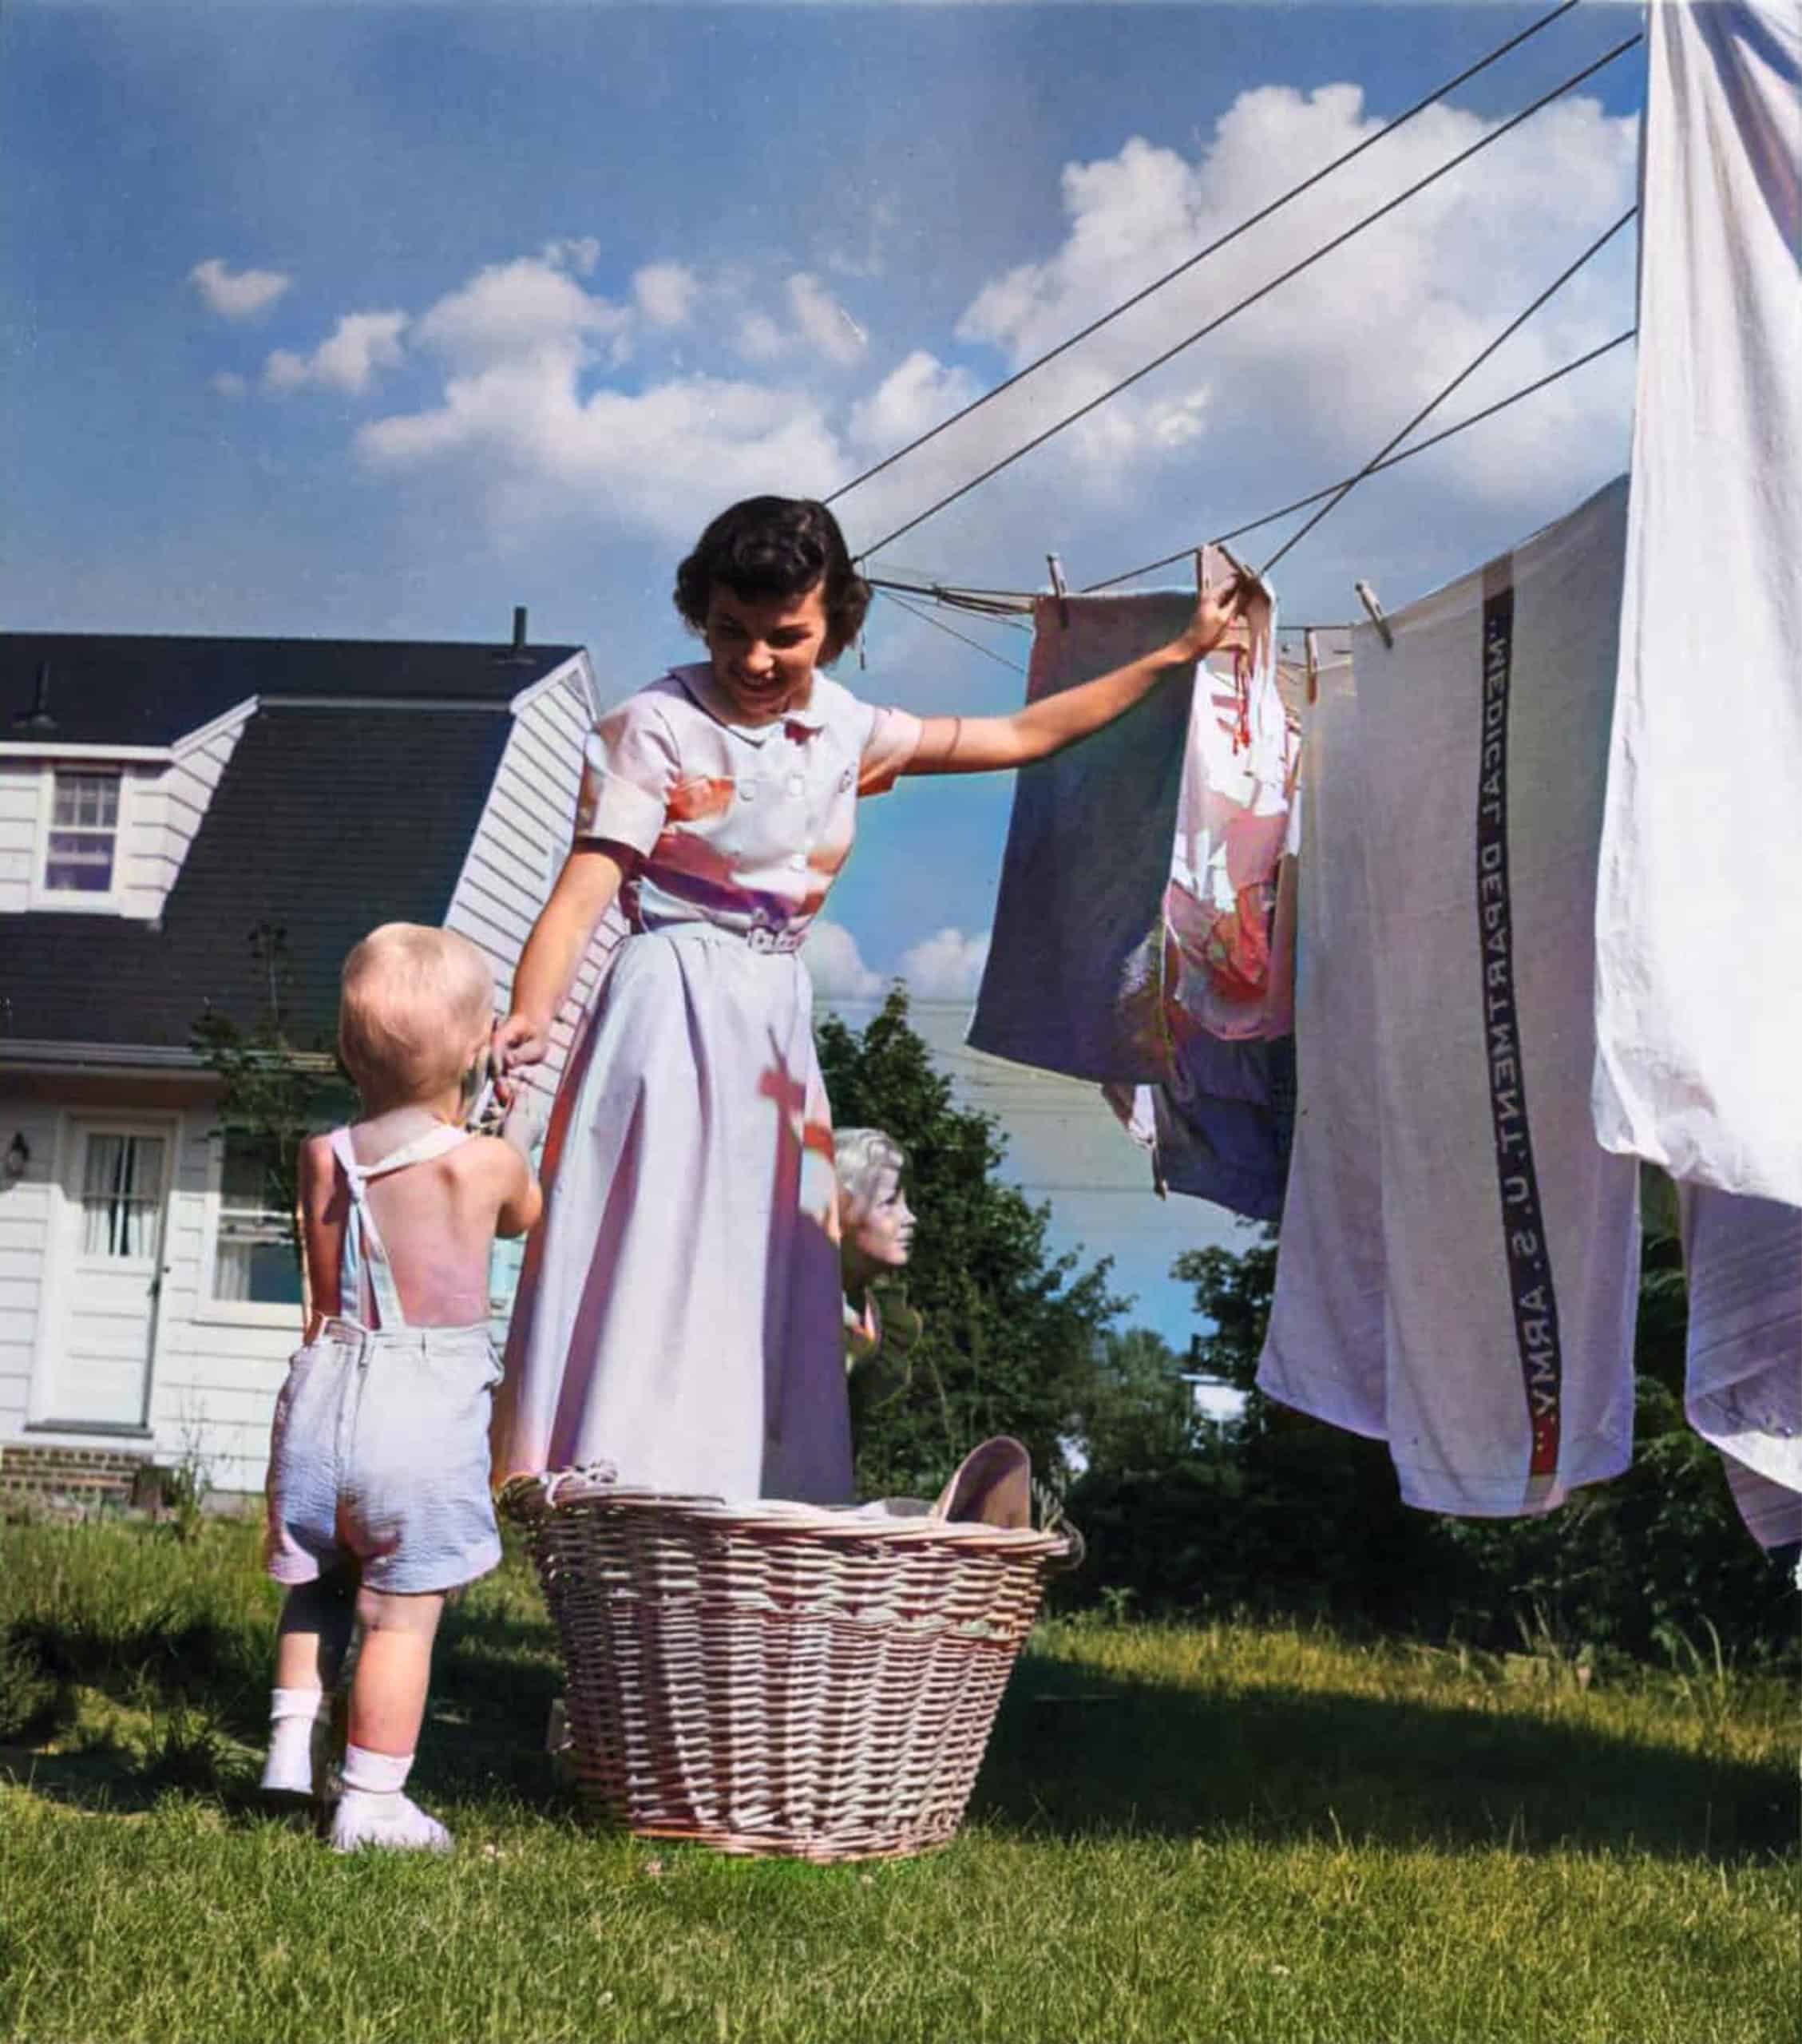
[1218,1833]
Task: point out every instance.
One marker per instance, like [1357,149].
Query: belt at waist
[758,938]
[416,1341]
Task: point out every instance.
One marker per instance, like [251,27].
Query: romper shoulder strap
[363,1265]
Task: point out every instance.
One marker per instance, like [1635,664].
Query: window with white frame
[122,1198]
[84,837]
[255,1259]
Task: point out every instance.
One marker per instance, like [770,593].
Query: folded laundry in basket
[991,1486]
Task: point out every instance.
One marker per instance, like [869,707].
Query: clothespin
[1312,650]
[1238,566]
[1058,590]
[1373,609]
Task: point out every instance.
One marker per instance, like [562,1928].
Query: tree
[1138,1412]
[1233,1295]
[1289,1515]
[273,1094]
[1012,1334]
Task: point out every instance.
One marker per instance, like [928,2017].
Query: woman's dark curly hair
[775,549]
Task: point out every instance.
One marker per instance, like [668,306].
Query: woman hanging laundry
[679,1314]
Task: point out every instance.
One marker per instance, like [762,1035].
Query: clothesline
[1433,404]
[1011,604]
[1391,462]
[1338,241]
[952,599]
[939,624]
[1201,254]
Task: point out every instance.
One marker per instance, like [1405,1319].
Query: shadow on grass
[1079,1753]
[186,1708]
[1076,1751]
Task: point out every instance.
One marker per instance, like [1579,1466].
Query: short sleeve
[894,738]
[628,771]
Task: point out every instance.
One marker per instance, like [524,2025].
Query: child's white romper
[379,1453]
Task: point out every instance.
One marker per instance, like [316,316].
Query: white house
[161,800]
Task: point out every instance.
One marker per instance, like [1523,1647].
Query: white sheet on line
[1326,1351]
[1699,906]
[1743,1259]
[1443,1151]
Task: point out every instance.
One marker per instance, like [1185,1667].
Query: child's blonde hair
[414,998]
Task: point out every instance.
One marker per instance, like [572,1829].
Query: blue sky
[378,321]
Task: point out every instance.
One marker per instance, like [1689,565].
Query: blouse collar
[699,683]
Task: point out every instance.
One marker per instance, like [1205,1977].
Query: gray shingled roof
[107,690]
[328,820]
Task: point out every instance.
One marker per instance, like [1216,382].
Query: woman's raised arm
[978,745]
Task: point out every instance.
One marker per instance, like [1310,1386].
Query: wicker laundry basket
[777,1678]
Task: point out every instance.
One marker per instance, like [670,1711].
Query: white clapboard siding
[144,866]
[160,810]
[20,784]
[519,845]
[25,1228]
[217,1371]
[165,810]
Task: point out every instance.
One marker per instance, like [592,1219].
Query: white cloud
[761,339]
[228,383]
[236,295]
[1334,361]
[909,399]
[580,256]
[836,964]
[947,966]
[533,421]
[660,460]
[823,323]
[506,312]
[812,319]
[347,360]
[665,293]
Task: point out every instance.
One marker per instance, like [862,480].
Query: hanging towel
[1503,1239]
[1743,1259]
[1139,937]
[1325,1352]
[1232,830]
[1224,1122]
[1699,907]
[1075,964]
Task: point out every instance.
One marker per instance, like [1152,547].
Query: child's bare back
[437,1218]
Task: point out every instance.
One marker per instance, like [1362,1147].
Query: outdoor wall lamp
[18,1159]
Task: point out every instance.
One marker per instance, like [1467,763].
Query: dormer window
[84,834]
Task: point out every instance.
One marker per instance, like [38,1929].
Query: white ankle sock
[375,1774]
[294,1716]
[373,1811]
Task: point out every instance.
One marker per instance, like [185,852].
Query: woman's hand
[584,892]
[1217,612]
[521,1038]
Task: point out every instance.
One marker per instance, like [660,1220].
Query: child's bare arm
[519,1199]
[322,1229]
